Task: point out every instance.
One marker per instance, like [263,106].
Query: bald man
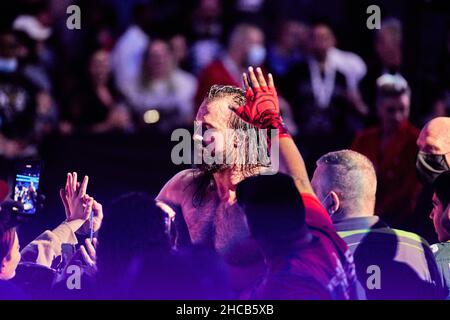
[434,149]
[433,158]
[390,263]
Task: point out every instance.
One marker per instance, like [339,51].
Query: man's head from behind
[441,206]
[134,226]
[274,210]
[346,183]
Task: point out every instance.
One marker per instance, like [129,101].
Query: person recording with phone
[46,249]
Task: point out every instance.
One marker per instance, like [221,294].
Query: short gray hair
[350,174]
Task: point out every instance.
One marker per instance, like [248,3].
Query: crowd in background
[142,65]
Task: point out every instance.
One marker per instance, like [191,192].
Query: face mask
[256,55]
[430,166]
[323,202]
[8,65]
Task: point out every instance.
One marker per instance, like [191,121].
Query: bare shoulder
[178,186]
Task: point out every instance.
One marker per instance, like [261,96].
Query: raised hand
[77,203]
[262,106]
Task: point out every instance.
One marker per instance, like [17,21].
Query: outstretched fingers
[270,83]
[261,80]
[245,79]
[83,186]
[253,79]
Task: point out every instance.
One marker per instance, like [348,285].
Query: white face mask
[256,55]
[8,64]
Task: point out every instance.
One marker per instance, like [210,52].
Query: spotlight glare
[151,116]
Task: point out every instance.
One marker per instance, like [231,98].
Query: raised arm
[262,110]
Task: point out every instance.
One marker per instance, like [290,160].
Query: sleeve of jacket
[47,246]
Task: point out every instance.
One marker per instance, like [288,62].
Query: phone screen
[26,186]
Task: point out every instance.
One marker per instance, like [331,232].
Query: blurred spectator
[354,69]
[318,94]
[9,251]
[346,183]
[206,33]
[305,258]
[24,110]
[254,12]
[388,48]
[290,48]
[162,86]
[441,220]
[441,107]
[36,61]
[180,49]
[9,259]
[245,48]
[97,105]
[128,53]
[31,38]
[391,147]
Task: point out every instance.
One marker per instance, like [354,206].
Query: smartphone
[26,186]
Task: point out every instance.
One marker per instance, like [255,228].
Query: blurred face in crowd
[8,45]
[388,48]
[179,48]
[209,10]
[254,47]
[438,214]
[393,111]
[322,40]
[246,46]
[159,60]
[293,36]
[100,67]
[11,261]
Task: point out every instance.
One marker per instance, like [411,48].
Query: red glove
[262,109]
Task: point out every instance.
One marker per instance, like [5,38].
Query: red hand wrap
[262,110]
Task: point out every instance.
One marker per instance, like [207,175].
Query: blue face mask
[8,65]
[256,55]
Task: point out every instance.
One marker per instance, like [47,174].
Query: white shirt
[349,64]
[127,56]
[164,94]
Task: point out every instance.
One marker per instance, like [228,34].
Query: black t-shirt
[86,108]
[17,106]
